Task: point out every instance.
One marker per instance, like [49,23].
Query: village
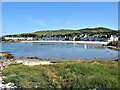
[82,37]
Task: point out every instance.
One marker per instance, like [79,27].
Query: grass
[65,74]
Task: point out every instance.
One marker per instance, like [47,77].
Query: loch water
[66,51]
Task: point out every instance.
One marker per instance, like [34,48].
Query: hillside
[86,30]
[98,30]
[61,31]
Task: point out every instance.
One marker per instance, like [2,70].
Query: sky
[25,17]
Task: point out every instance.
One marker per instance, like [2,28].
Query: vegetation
[56,32]
[65,74]
[99,30]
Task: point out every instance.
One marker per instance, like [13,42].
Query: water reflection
[85,46]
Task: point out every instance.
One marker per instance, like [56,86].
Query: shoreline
[114,48]
[80,42]
[33,62]
[8,55]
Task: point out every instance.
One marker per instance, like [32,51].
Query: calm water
[59,51]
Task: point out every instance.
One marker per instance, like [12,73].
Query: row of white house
[19,38]
[112,38]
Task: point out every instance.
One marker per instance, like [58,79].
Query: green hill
[99,30]
[86,30]
[93,31]
[61,31]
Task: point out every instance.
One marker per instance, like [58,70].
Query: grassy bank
[64,74]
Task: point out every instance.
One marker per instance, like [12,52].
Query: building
[74,38]
[113,38]
[19,38]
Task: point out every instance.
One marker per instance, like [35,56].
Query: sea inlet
[65,51]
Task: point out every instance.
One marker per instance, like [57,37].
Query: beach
[79,42]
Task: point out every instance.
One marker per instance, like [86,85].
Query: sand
[80,42]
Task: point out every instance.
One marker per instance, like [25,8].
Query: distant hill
[99,29]
[86,30]
[93,31]
[61,31]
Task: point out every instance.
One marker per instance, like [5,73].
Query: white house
[85,36]
[19,38]
[113,38]
[74,38]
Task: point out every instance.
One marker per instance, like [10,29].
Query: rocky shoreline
[7,59]
[114,48]
[115,45]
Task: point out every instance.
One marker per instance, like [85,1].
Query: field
[64,74]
